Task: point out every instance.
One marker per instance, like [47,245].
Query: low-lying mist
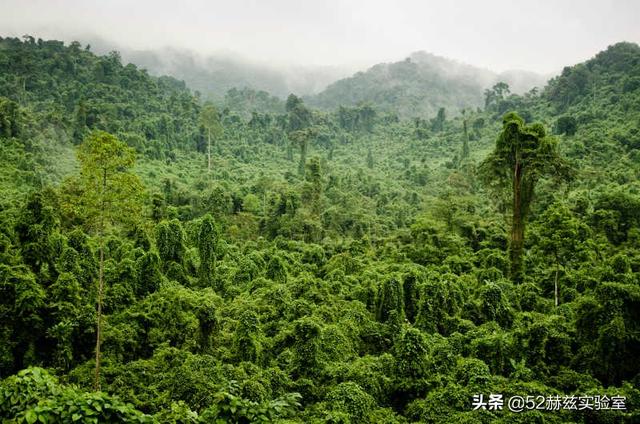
[216,73]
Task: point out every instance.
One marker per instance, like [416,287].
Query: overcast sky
[541,36]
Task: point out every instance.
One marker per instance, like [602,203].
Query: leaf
[31,416]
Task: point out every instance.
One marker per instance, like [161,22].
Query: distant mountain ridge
[416,86]
[215,74]
[420,85]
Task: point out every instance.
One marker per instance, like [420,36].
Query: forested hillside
[164,259]
[420,85]
[212,76]
[215,74]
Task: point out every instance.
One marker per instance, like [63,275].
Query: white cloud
[540,36]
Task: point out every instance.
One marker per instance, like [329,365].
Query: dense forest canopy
[261,260]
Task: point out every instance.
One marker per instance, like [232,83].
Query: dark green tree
[566,124]
[523,154]
[390,299]
[411,354]
[299,117]
[437,123]
[208,248]
[494,95]
[465,138]
[301,138]
[9,118]
[560,237]
[36,224]
[170,242]
[246,338]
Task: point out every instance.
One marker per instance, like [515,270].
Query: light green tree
[210,121]
[107,195]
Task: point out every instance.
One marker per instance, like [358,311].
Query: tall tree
[561,237]
[437,123]
[465,137]
[208,248]
[9,118]
[313,187]
[523,154]
[369,158]
[495,94]
[109,196]
[301,138]
[298,132]
[299,117]
[367,116]
[210,121]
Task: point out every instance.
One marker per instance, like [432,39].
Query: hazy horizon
[541,37]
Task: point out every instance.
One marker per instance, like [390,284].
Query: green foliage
[349,255]
[247,342]
[230,407]
[252,103]
[566,125]
[170,241]
[306,334]
[209,246]
[411,354]
[176,315]
[523,154]
[494,96]
[494,305]
[415,87]
[9,118]
[390,301]
[33,395]
[349,398]
[210,120]
[106,192]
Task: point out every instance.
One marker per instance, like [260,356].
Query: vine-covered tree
[208,248]
[523,154]
[9,118]
[494,95]
[437,123]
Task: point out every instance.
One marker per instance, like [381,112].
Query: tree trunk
[208,151]
[23,94]
[517,227]
[96,383]
[555,283]
[303,157]
[465,141]
[264,205]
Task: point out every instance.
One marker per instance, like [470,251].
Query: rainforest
[398,248]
